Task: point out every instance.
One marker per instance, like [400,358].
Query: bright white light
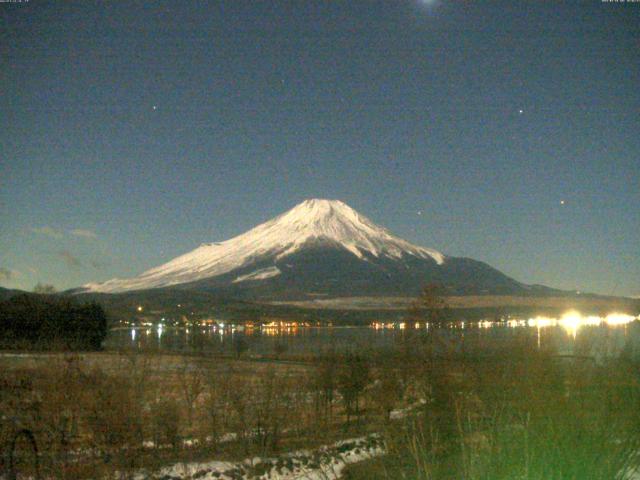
[133,334]
[427,5]
[542,322]
[591,321]
[570,321]
[618,319]
[516,323]
[573,320]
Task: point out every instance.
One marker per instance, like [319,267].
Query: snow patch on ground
[400,413]
[325,463]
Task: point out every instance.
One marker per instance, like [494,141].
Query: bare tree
[352,380]
[430,306]
[325,384]
[388,390]
[192,386]
[240,345]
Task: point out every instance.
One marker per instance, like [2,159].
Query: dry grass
[101,412]
[94,414]
[517,414]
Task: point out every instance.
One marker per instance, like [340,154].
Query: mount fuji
[318,248]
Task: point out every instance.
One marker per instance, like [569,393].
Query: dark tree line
[46,321]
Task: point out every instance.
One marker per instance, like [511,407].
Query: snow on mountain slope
[259,274]
[310,220]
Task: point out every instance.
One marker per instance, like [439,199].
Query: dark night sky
[506,131]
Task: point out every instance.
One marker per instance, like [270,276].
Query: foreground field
[95,414]
[518,412]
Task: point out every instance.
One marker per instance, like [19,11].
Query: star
[419,212]
[520,111]
[561,202]
[155,107]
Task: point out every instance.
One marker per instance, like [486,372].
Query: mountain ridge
[314,219]
[321,247]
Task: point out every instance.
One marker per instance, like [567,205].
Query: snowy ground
[400,413]
[325,463]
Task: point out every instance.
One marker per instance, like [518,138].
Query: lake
[567,335]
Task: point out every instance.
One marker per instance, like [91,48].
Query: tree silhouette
[430,306]
[44,288]
[352,380]
[49,321]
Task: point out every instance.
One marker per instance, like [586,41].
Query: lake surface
[571,334]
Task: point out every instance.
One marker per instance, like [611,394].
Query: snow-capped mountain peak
[315,220]
[337,221]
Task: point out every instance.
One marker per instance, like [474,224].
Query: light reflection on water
[568,334]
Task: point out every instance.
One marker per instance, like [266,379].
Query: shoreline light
[614,319]
[571,321]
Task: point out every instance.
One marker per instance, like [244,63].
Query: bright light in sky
[428,3]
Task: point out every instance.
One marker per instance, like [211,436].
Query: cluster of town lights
[571,321]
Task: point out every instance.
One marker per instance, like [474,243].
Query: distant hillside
[172,303]
[586,303]
[6,293]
